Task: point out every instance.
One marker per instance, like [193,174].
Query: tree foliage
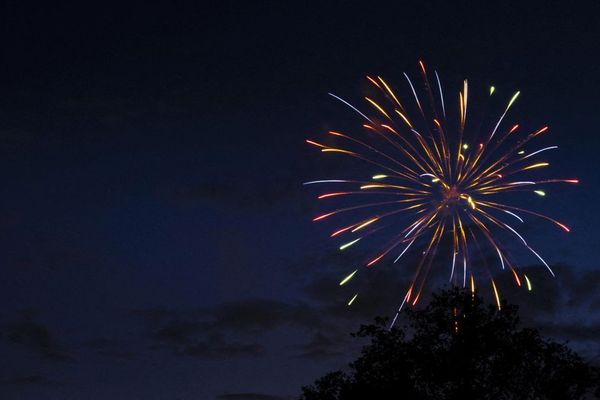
[459,348]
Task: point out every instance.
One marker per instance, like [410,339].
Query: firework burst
[435,179]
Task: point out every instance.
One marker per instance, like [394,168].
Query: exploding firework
[433,179]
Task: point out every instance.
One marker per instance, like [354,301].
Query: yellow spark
[492,89]
[539,192]
[326,195]
[528,282]
[378,107]
[404,118]
[381,176]
[369,222]
[462,109]
[352,299]
[345,246]
[346,279]
[538,165]
[472,284]
[329,150]
[521,152]
[496,294]
[513,99]
[381,185]
[465,146]
[389,90]
[471,202]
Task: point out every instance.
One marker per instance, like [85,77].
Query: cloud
[322,347]
[249,396]
[236,329]
[573,291]
[588,332]
[380,291]
[239,329]
[323,321]
[29,380]
[110,348]
[319,313]
[215,346]
[562,308]
[257,314]
[190,334]
[36,338]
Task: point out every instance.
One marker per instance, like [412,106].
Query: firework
[433,179]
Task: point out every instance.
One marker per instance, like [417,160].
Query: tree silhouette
[459,348]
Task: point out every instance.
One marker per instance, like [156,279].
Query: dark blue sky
[155,239]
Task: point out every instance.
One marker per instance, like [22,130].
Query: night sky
[155,237]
